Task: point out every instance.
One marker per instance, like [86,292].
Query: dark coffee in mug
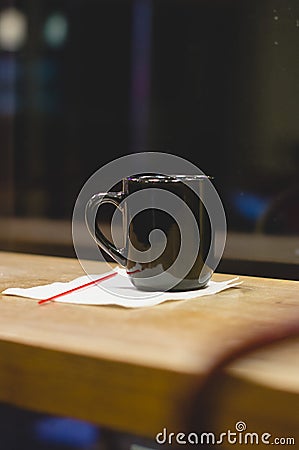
[166,230]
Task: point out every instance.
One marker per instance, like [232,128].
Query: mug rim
[158,178]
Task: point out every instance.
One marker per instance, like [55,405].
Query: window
[84,82]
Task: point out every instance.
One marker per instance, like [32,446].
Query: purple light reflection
[141,73]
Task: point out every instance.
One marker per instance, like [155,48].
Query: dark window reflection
[83,82]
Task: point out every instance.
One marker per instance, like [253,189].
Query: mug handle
[90,215]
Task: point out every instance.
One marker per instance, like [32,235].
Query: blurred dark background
[216,82]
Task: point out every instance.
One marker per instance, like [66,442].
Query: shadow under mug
[166,231]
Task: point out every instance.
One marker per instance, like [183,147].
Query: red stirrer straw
[99,280]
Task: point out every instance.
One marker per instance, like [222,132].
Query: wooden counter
[132,369]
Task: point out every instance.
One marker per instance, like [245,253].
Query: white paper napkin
[114,291]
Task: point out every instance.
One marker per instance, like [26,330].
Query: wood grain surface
[133,369]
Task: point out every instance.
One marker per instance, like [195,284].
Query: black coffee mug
[166,231]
